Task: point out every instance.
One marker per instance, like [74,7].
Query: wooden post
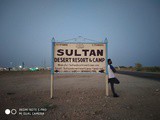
[107,91]
[106,76]
[52,67]
[52,84]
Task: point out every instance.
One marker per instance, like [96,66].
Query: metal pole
[106,76]
[52,67]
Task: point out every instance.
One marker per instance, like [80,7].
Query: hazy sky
[131,26]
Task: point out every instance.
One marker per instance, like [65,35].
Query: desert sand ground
[79,97]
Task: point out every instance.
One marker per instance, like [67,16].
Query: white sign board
[79,57]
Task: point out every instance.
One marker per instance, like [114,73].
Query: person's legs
[116,81]
[112,88]
[113,91]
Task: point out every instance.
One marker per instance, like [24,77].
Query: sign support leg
[106,76]
[107,91]
[52,84]
[52,67]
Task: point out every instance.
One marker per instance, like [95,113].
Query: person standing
[111,77]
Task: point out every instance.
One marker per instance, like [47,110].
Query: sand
[79,97]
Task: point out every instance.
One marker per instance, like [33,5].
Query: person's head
[109,61]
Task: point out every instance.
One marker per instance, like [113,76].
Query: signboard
[79,57]
[70,57]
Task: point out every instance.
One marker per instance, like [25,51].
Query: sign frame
[53,42]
